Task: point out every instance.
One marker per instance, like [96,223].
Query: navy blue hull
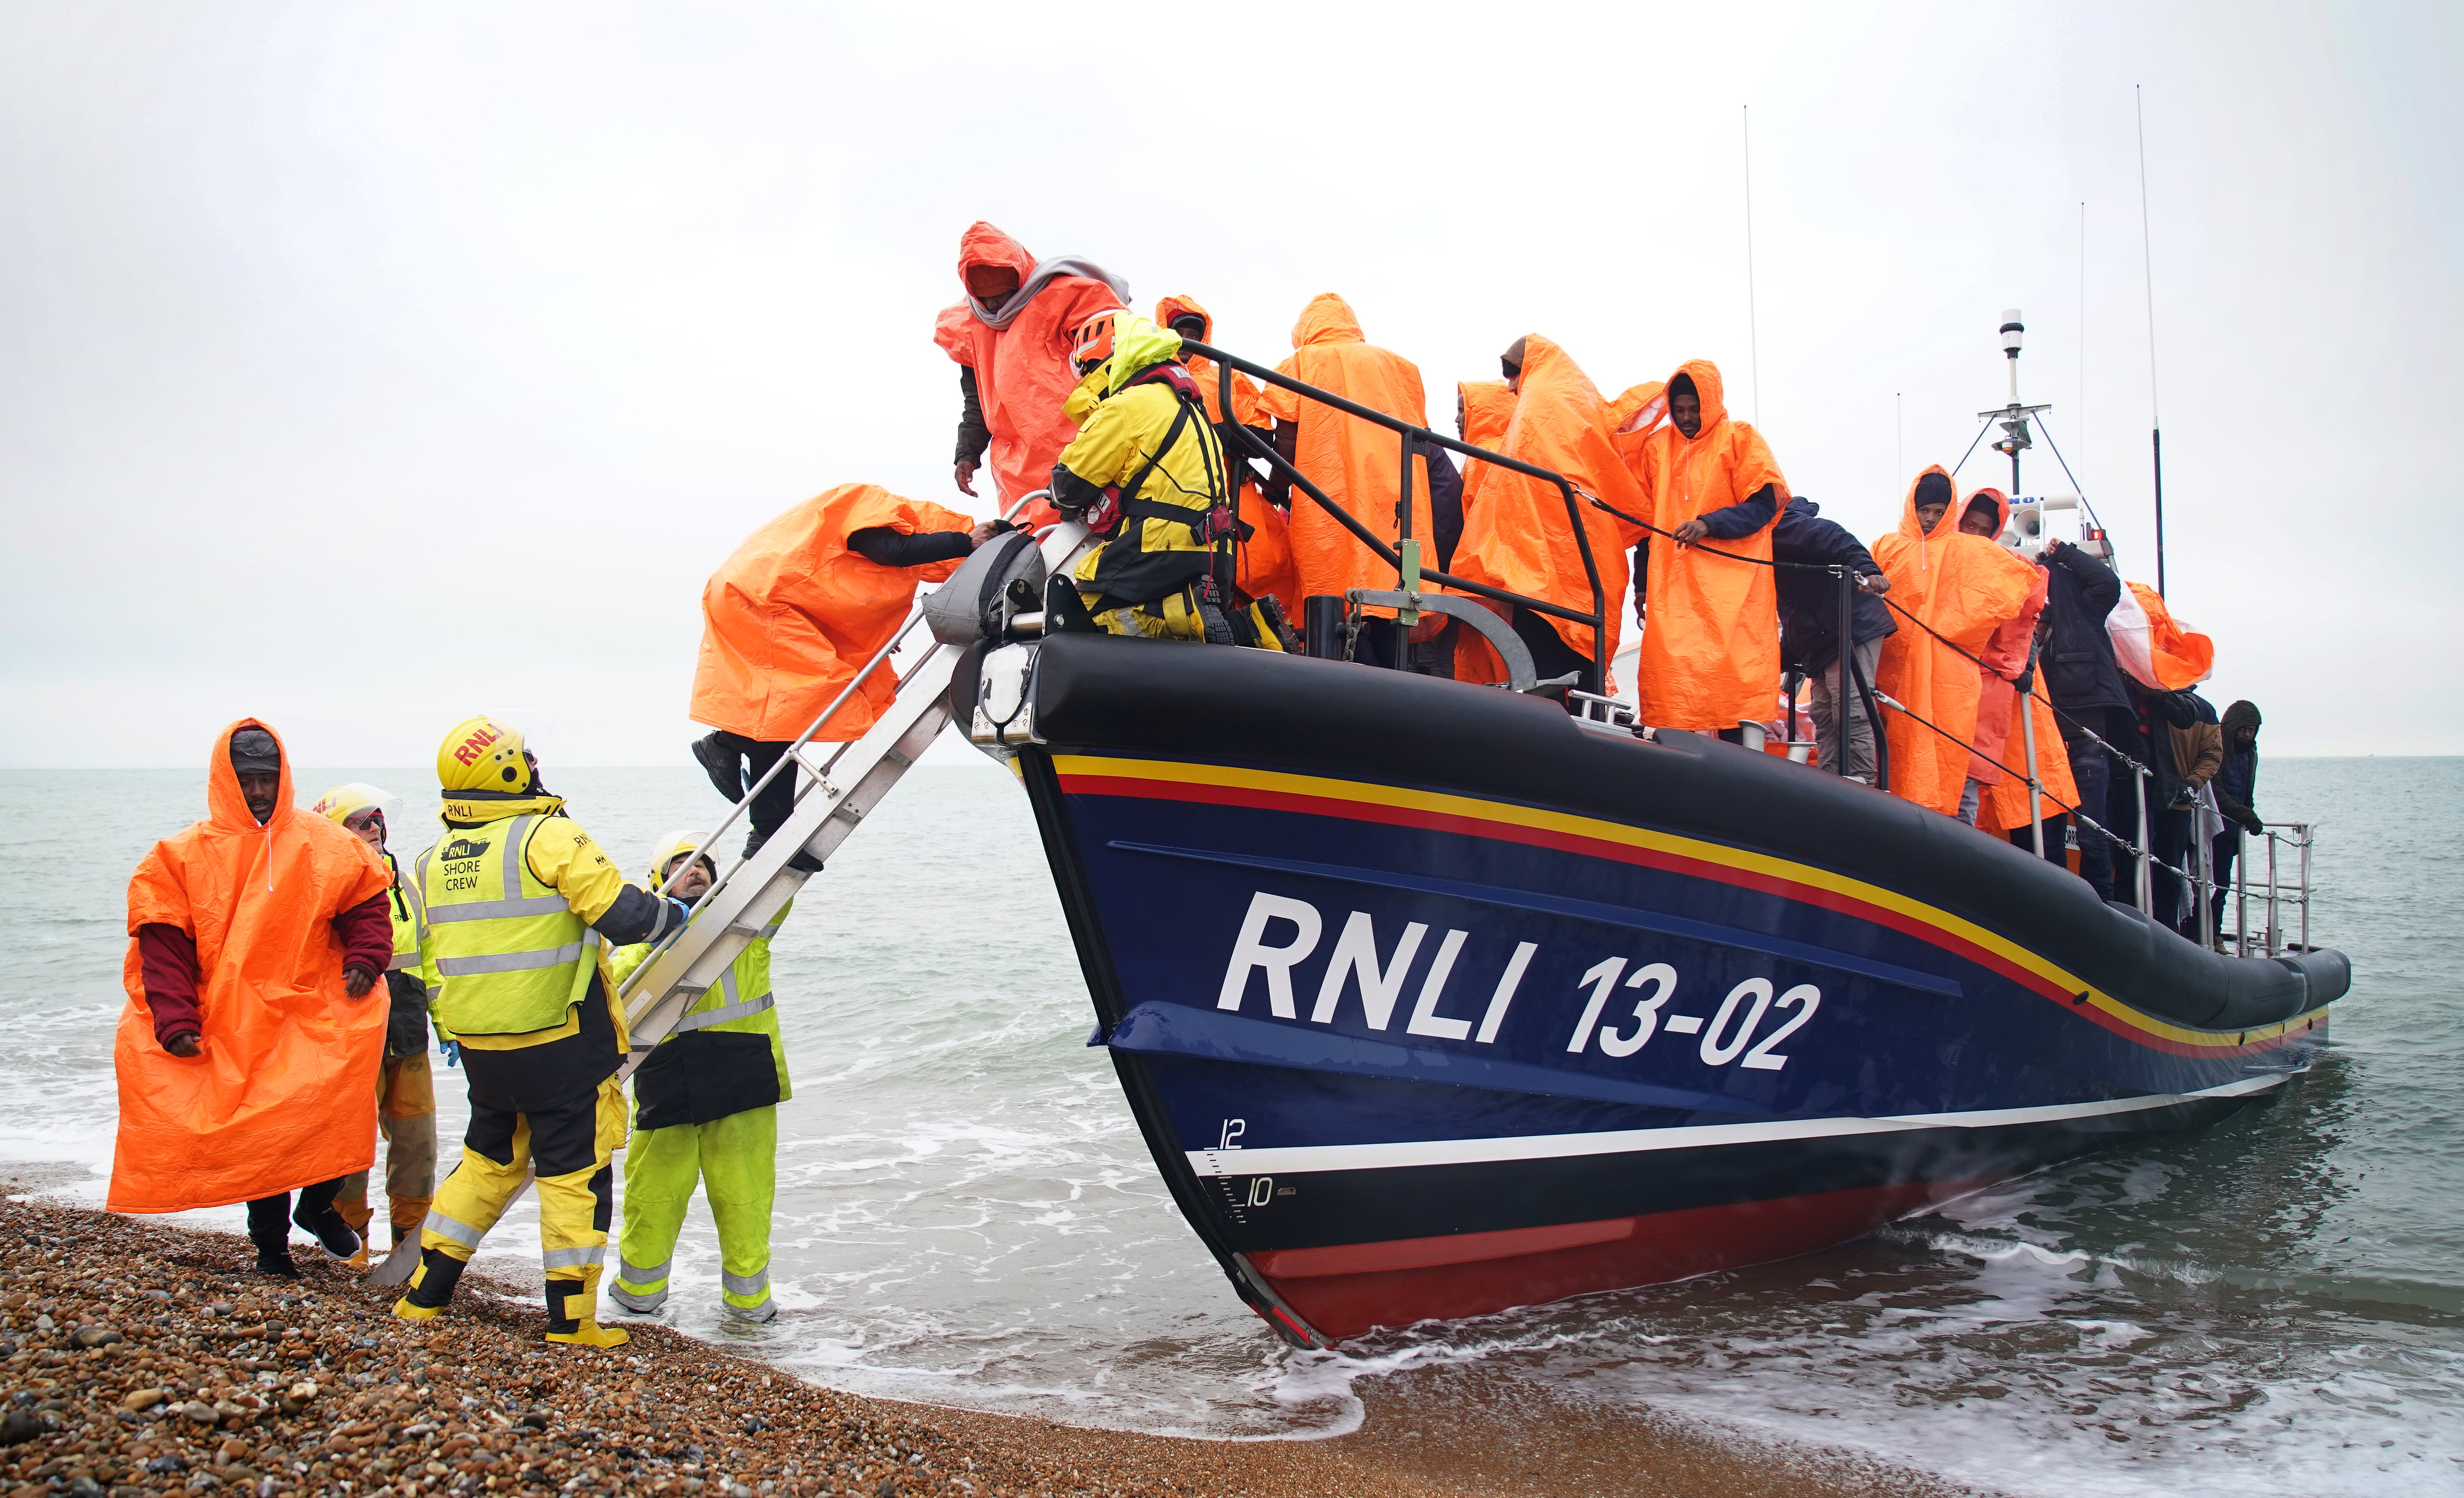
[1413,1046]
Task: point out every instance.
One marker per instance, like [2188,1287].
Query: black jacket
[2151,745]
[2079,669]
[1808,601]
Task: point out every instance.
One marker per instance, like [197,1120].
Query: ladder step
[847,812]
[739,929]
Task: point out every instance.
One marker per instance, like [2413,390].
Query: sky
[366,366]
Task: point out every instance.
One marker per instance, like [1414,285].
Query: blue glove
[683,912]
[451,1050]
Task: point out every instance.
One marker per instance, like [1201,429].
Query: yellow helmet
[668,849]
[482,754]
[344,804]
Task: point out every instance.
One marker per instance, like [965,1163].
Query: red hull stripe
[1352,800]
[1396,1283]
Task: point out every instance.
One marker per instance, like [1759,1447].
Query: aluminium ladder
[835,792]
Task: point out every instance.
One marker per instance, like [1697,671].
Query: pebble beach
[142,1357]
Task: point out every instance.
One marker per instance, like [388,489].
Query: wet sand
[142,1357]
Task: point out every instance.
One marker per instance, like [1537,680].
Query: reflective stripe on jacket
[410,912]
[739,1004]
[511,954]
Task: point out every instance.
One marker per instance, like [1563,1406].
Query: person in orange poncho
[1483,408]
[1520,537]
[247,1050]
[791,618]
[1997,770]
[1962,588]
[1010,339]
[1711,642]
[1264,552]
[1355,464]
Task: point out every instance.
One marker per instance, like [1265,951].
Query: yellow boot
[573,1313]
[431,1285]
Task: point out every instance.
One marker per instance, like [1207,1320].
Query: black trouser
[771,810]
[2092,772]
[1551,657]
[2225,849]
[270,1218]
[2170,830]
[2057,846]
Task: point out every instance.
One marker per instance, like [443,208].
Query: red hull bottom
[1346,1290]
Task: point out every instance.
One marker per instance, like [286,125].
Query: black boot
[269,1228]
[318,1215]
[725,766]
[800,860]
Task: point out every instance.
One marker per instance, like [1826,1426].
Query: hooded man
[246,1052]
[2236,789]
[1711,649]
[1265,554]
[1356,465]
[788,620]
[1997,797]
[705,1114]
[406,1088]
[523,908]
[1521,538]
[1146,474]
[1809,627]
[1010,339]
[1956,587]
[1483,408]
[2083,683]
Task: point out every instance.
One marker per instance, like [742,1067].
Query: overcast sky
[366,366]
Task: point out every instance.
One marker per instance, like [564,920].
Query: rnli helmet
[668,849]
[1093,343]
[482,754]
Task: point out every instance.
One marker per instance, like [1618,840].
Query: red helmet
[1093,343]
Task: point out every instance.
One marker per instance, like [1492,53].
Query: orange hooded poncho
[1360,466]
[1023,372]
[1520,538]
[1963,587]
[1265,552]
[281,1092]
[792,615]
[1488,411]
[1711,639]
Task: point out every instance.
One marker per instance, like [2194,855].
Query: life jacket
[408,910]
[725,1056]
[510,954]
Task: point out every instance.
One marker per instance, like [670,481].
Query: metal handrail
[1408,570]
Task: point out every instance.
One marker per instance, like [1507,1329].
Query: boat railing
[1406,554]
[2274,891]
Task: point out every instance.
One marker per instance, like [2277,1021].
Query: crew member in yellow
[1146,474]
[406,1088]
[705,1108]
[523,910]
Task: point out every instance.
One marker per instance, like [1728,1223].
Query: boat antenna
[1898,438]
[1753,327]
[2082,341]
[2146,260]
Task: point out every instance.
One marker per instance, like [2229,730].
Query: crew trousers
[1822,687]
[569,1148]
[735,1160]
[407,1117]
[777,802]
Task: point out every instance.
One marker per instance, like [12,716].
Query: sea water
[967,1215]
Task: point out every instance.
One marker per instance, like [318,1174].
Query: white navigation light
[2011,328]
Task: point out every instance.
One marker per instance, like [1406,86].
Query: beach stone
[142,1398]
[200,1411]
[97,1337]
[19,1427]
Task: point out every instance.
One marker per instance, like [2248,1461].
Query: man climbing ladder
[705,1112]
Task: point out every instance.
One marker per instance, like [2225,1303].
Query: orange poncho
[280,1094]
[2156,648]
[1265,555]
[1711,639]
[1520,538]
[1488,411]
[1023,372]
[792,615]
[1963,587]
[1360,466]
